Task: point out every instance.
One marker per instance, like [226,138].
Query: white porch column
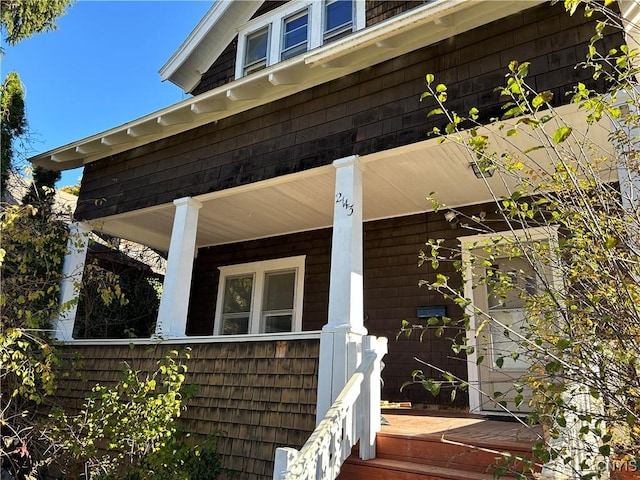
[174,304]
[580,451]
[341,338]
[72,271]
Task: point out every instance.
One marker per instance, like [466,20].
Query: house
[289,192]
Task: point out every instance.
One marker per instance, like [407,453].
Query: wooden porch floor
[428,445]
[460,427]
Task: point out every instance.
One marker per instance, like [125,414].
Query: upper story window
[260,297]
[294,28]
[338,19]
[255,57]
[295,35]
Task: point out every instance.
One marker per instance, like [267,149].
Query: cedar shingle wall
[369,111]
[391,292]
[380,10]
[222,71]
[260,401]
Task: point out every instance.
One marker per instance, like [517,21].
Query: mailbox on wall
[437,311]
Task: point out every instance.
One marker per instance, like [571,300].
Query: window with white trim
[294,28]
[255,56]
[338,19]
[295,35]
[260,297]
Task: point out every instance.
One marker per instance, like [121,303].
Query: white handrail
[355,415]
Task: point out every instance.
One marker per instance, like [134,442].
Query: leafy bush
[117,301]
[33,249]
[130,430]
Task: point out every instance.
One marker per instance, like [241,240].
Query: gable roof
[422,26]
[206,42]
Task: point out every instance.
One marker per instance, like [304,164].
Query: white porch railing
[353,417]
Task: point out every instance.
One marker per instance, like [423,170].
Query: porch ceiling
[395,183]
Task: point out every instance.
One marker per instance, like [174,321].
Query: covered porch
[340,197]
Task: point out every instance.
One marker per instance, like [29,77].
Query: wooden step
[437,452]
[425,448]
[387,469]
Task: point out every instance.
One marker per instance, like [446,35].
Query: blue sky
[99,69]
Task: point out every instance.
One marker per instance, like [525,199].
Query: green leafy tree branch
[580,336]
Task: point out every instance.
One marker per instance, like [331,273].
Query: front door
[498,335]
[498,325]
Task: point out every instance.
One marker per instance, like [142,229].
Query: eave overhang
[417,28]
[395,183]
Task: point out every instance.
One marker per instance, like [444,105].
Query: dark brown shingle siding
[260,401]
[222,71]
[380,10]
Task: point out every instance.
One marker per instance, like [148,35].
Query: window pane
[504,342]
[259,297]
[524,281]
[235,325]
[294,37]
[338,17]
[237,294]
[256,50]
[279,290]
[278,323]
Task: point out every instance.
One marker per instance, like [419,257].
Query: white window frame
[339,31]
[293,16]
[258,270]
[275,20]
[244,52]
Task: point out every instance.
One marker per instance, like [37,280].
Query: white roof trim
[206,42]
[396,36]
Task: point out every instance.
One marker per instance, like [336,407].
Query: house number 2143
[342,200]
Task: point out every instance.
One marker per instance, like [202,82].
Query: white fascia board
[193,40]
[443,15]
[207,41]
[380,32]
[367,47]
